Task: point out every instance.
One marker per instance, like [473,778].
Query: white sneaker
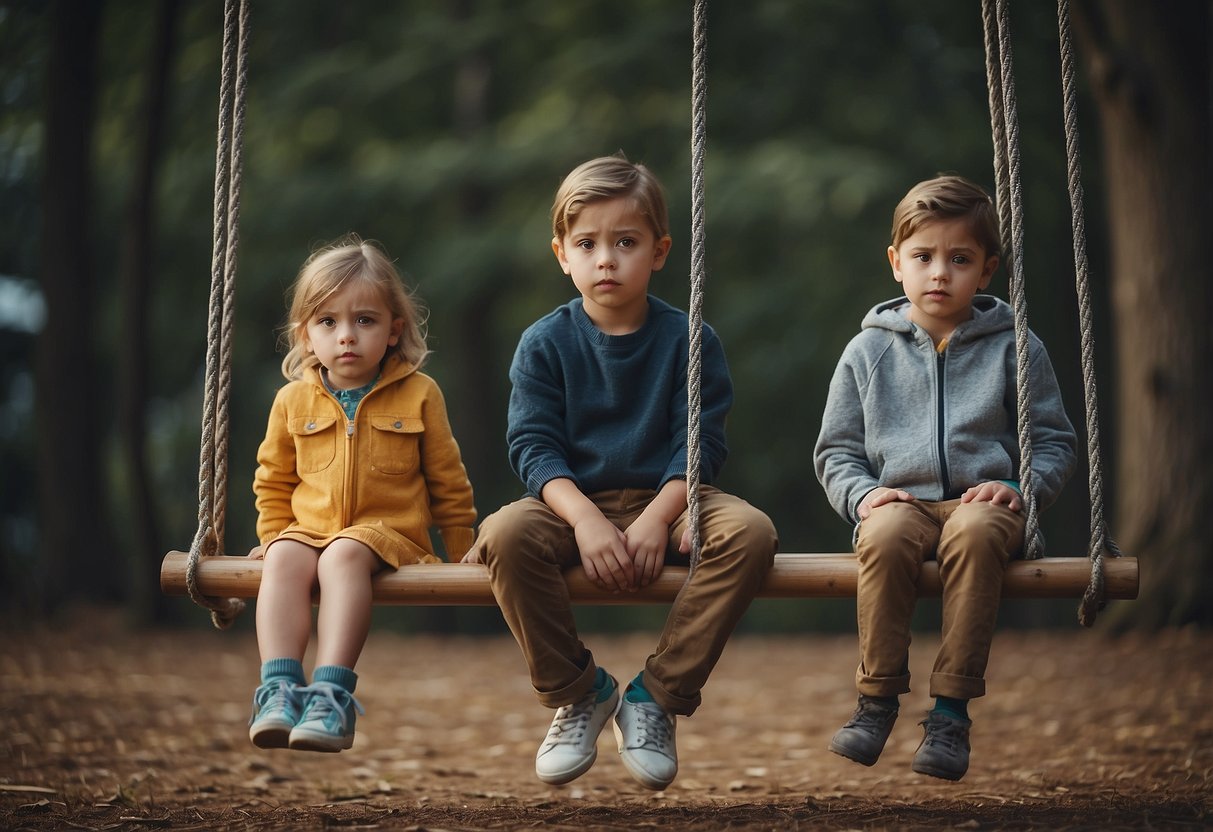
[646,743]
[571,745]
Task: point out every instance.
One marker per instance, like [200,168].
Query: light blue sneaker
[327,723]
[276,709]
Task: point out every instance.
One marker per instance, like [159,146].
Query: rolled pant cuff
[957,687]
[570,693]
[882,685]
[673,704]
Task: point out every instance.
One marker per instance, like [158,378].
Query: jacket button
[397,426]
[311,425]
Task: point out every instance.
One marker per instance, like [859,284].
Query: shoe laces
[947,733]
[871,716]
[323,701]
[654,727]
[280,695]
[571,721]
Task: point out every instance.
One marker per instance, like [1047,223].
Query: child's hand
[472,556]
[604,554]
[257,553]
[879,496]
[998,493]
[646,541]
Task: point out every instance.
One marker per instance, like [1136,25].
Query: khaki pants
[526,548]
[972,543]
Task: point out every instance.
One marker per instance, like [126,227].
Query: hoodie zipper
[941,422]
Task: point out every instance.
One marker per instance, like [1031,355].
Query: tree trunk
[1150,70]
[136,290]
[77,553]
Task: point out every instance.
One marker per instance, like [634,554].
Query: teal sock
[636,691]
[342,677]
[952,707]
[602,684]
[286,670]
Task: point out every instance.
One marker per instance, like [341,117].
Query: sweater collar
[599,338]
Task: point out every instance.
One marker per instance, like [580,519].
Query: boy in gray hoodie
[919,448]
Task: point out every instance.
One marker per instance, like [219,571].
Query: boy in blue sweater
[919,448]
[598,433]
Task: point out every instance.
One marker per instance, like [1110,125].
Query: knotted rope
[695,313]
[212,467]
[1094,598]
[1005,127]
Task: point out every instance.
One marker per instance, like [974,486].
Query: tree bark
[136,289]
[76,549]
[1149,64]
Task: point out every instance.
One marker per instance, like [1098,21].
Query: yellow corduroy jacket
[384,478]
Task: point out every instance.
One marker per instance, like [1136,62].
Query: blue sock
[286,670]
[342,677]
[952,707]
[603,685]
[636,691]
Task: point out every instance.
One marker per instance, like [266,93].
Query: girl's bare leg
[345,570]
[284,600]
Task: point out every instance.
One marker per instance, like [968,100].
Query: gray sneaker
[863,737]
[571,746]
[944,750]
[645,732]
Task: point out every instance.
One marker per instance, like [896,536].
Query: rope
[1094,599]
[1006,145]
[212,466]
[695,313]
[998,128]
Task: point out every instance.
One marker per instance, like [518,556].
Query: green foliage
[443,135]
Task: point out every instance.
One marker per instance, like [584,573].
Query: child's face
[610,250]
[351,332]
[941,267]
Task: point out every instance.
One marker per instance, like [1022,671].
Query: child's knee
[760,539]
[983,527]
[511,532]
[346,555]
[289,562]
[748,535]
[890,534]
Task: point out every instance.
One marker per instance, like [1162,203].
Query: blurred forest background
[442,127]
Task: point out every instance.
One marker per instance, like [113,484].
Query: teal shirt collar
[348,399]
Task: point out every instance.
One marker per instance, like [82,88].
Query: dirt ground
[104,728]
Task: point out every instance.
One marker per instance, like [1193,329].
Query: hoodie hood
[990,314]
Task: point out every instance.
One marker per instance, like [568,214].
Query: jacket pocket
[395,443]
[315,442]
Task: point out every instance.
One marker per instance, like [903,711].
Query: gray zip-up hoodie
[901,415]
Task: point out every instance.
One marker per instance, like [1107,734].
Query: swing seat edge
[794,575]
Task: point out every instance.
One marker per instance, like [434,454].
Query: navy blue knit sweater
[610,411]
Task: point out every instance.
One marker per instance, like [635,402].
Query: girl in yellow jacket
[357,464]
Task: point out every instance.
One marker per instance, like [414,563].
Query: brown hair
[948,197]
[608,177]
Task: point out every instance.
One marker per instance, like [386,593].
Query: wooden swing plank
[793,576]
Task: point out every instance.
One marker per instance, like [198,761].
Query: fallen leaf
[17,787]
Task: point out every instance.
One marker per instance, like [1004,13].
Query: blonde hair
[609,177]
[330,269]
[948,197]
